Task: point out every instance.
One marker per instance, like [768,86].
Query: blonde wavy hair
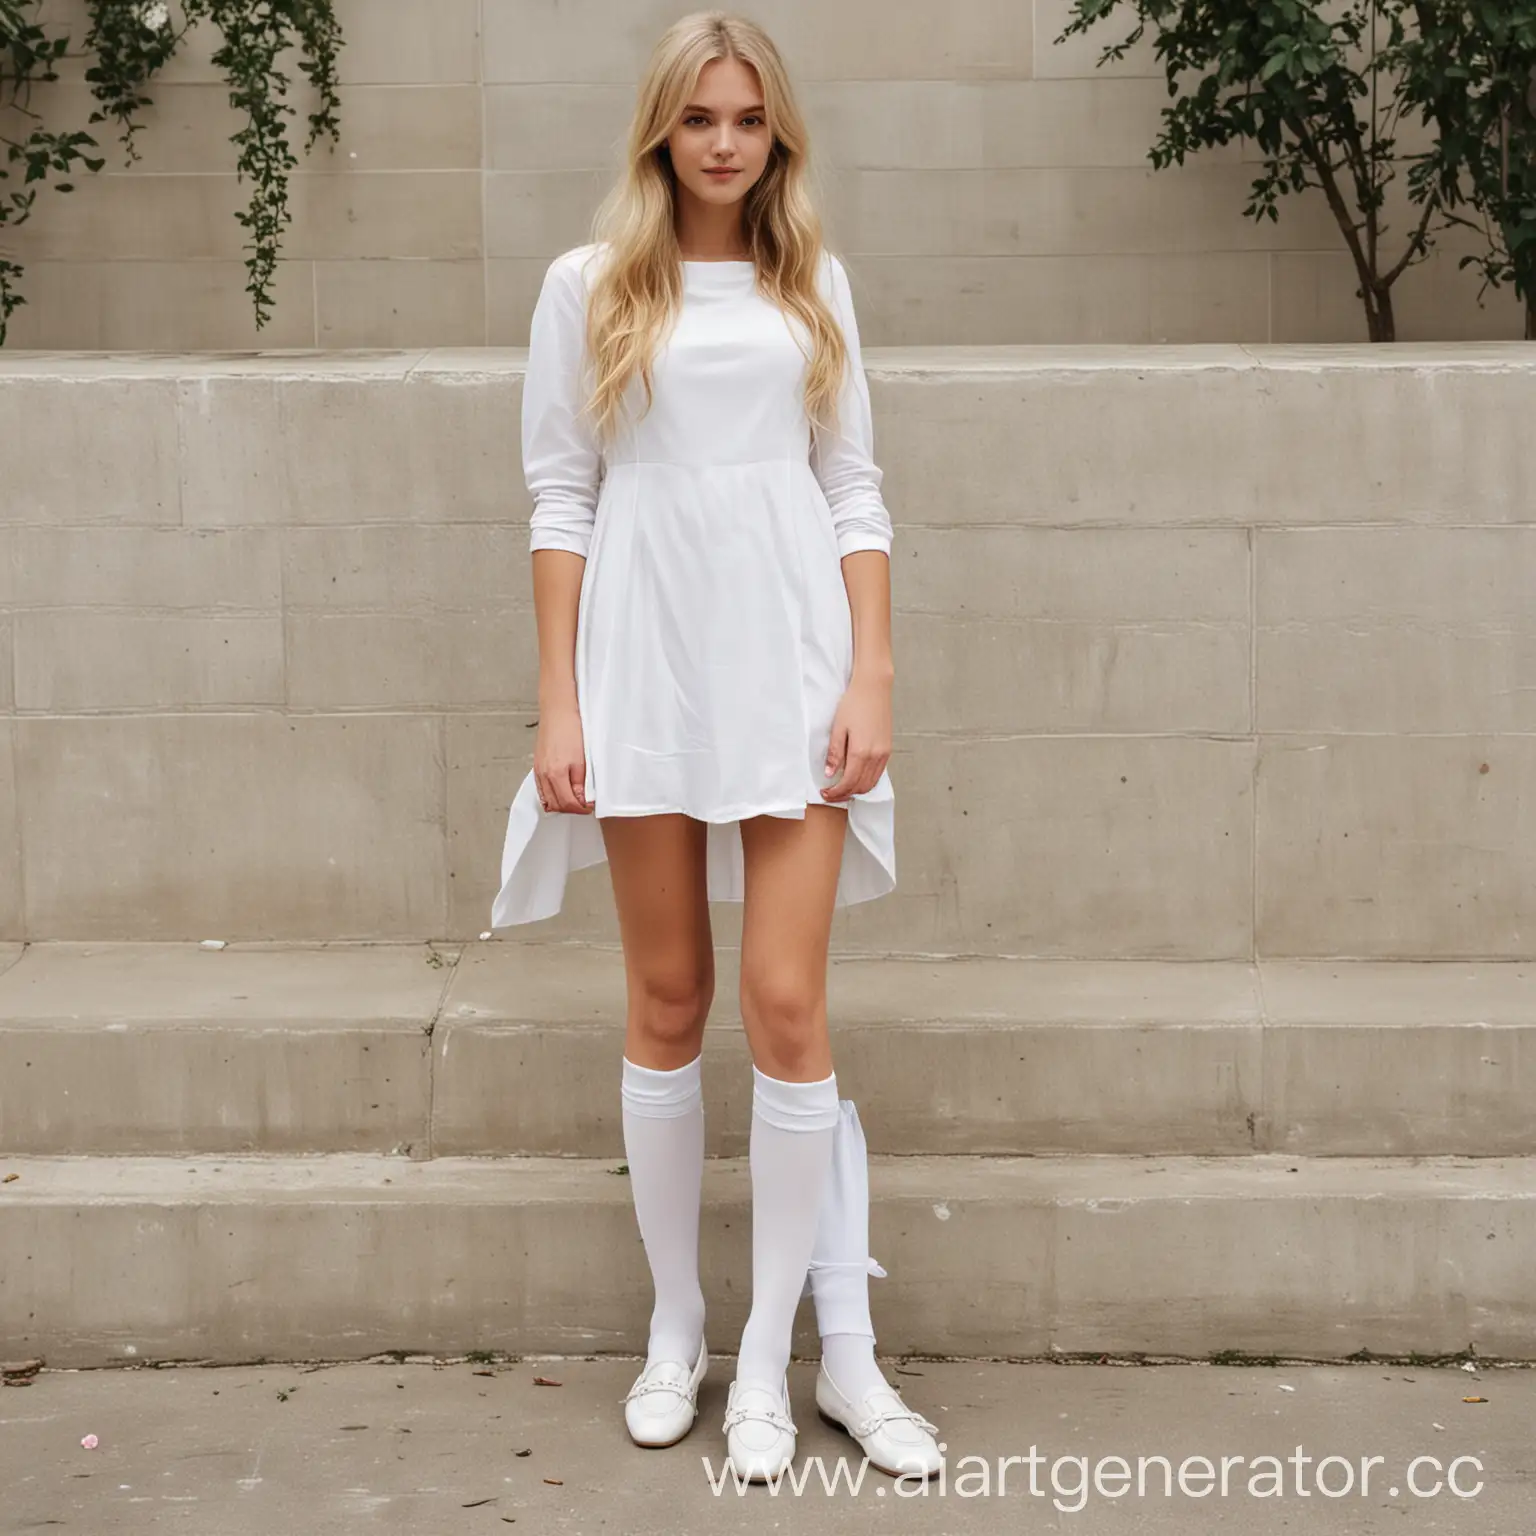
[639,286]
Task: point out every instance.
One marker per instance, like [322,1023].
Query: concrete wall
[1202,653]
[986,185]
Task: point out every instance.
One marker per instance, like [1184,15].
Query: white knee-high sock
[789,1153]
[841,1264]
[850,1361]
[664,1143]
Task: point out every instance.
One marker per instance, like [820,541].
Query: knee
[786,1015]
[669,1010]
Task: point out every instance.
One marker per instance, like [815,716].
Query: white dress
[714,637]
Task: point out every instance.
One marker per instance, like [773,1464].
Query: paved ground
[435,1449]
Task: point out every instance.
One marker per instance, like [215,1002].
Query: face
[722,124]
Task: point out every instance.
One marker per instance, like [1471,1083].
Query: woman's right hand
[560,761]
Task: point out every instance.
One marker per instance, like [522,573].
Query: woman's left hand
[860,745]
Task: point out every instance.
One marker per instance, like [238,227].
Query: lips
[722,174]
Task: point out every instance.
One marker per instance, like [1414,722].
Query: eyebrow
[693,106]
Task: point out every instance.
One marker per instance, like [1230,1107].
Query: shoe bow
[872,1421]
[739,1413]
[665,1376]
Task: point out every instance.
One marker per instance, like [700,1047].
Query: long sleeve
[562,463]
[844,465]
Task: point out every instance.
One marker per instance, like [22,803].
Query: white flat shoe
[663,1403]
[897,1439]
[759,1432]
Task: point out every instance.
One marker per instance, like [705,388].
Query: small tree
[1278,73]
[1471,69]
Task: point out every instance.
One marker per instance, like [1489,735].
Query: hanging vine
[130,42]
[28,53]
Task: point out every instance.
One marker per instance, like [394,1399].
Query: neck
[709,234]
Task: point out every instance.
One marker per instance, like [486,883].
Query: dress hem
[543,848]
[719,818]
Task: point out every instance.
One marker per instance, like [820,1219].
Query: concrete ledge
[1390,434]
[516,1048]
[1239,678]
[343,1256]
[979,1055]
[170,1048]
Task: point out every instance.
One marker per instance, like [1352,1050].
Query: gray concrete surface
[986,181]
[433,1450]
[1153,701]
[493,1048]
[343,1256]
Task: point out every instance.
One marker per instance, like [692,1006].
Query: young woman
[711,573]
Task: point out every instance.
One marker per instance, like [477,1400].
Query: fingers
[571,798]
[837,746]
[860,775]
[562,791]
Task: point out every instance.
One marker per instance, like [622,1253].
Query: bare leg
[791,887]
[658,869]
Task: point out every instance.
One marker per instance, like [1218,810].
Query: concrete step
[343,1256]
[516,1047]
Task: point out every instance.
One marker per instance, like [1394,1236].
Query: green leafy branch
[132,40]
[1471,69]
